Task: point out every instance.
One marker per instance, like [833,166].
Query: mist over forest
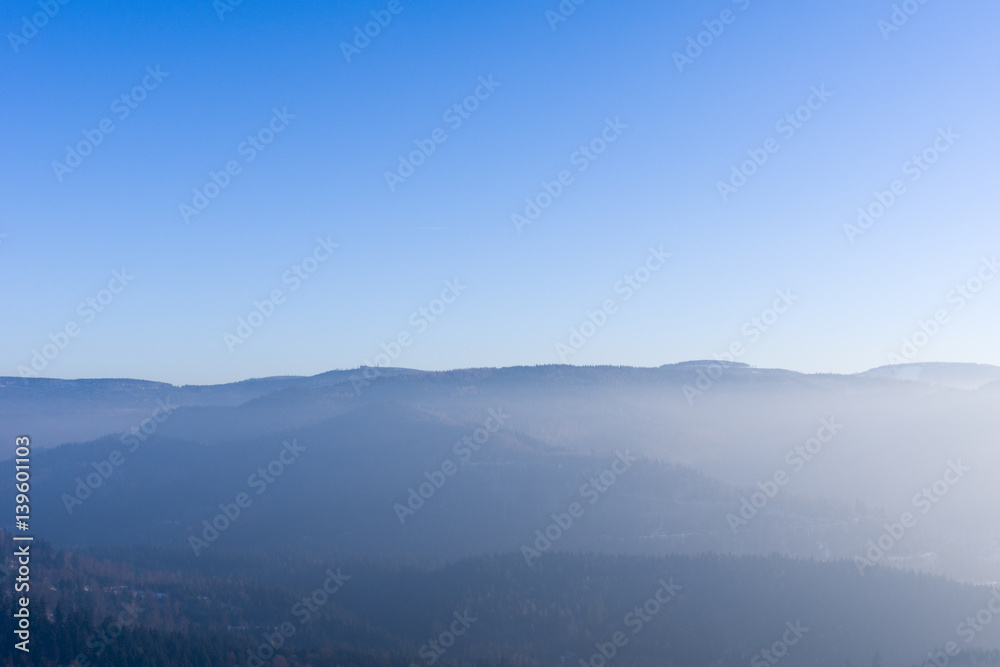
[548,333]
[549,499]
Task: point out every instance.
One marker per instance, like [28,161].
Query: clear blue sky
[323,175]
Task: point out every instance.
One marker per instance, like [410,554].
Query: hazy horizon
[514,366]
[383,333]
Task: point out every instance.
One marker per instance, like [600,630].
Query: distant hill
[708,435]
[58,411]
[959,376]
[390,480]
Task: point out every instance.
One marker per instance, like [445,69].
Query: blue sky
[522,290]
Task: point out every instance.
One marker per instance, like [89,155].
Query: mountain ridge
[344,374]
